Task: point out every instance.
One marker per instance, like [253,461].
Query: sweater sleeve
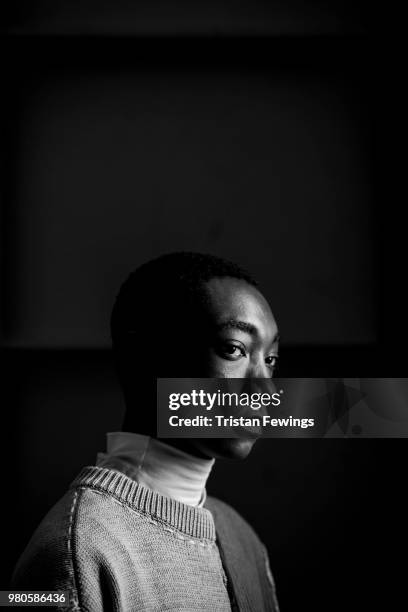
[246,559]
[47,562]
[65,554]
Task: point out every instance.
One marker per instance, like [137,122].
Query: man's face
[243,331]
[241,342]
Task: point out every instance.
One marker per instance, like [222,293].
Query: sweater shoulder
[228,516]
[242,548]
[227,512]
[70,542]
[65,529]
[47,561]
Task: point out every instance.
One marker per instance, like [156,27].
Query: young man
[136,531]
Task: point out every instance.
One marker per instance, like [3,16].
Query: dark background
[251,130]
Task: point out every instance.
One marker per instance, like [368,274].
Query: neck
[187,446]
[169,470]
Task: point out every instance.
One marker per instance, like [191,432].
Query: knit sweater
[116,545]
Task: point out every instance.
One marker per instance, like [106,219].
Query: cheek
[222,368]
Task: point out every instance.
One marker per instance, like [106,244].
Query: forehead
[233,298]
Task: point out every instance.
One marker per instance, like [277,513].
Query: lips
[253,432]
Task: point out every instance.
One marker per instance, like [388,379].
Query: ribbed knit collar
[189,520]
[157,465]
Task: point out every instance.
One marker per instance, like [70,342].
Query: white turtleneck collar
[158,466]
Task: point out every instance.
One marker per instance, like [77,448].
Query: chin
[228,448]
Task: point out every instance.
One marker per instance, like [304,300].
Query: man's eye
[232,351]
[271,361]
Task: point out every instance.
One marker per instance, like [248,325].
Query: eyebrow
[242,325]
[249,328]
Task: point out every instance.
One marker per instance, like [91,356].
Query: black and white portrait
[199,191]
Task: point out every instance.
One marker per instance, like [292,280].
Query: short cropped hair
[165,295]
[178,277]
